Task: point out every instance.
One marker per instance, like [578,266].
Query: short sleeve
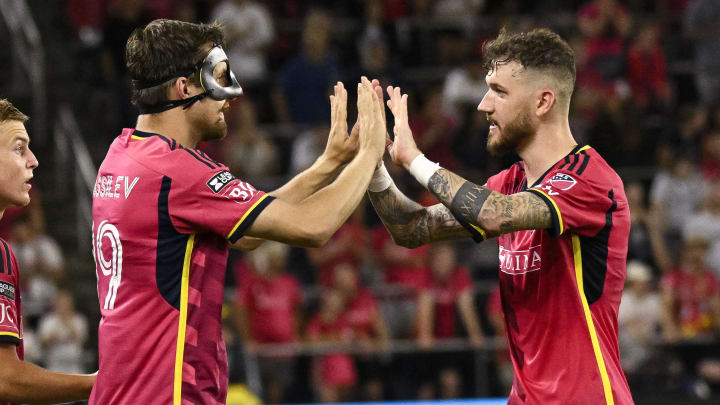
[216,201]
[578,203]
[10,331]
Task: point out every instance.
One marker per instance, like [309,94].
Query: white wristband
[422,169]
[380,180]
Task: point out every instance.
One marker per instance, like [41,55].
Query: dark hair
[162,51]
[539,49]
[9,112]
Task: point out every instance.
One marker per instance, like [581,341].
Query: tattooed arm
[494,212]
[412,225]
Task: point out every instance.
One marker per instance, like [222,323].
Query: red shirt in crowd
[410,272]
[360,312]
[693,294]
[271,305]
[336,369]
[446,294]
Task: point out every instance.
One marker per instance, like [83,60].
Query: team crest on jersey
[219,181]
[562,181]
[7,290]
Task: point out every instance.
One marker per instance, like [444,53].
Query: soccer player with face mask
[165,214]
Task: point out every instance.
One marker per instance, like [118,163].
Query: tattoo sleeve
[412,225]
[495,213]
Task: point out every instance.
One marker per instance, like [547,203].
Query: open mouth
[28,183]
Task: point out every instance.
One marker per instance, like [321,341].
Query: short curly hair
[540,49]
[162,51]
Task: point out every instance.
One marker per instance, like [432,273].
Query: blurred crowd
[647,98]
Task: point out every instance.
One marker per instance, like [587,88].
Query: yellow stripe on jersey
[15,335]
[245,216]
[591,325]
[557,210]
[582,149]
[182,323]
[138,137]
[480,230]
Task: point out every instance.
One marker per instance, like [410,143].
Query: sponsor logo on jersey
[220,180]
[518,262]
[562,181]
[7,290]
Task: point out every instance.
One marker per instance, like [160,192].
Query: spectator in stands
[646,73]
[347,246]
[305,81]
[464,86]
[362,313]
[452,295]
[695,122]
[675,194]
[710,164]
[434,130]
[334,375]
[691,296]
[63,333]
[702,26]
[706,223]
[307,146]
[247,150]
[638,318]
[646,243]
[605,25]
[267,311]
[405,269]
[41,259]
[495,315]
[249,31]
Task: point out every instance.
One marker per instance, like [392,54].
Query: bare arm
[470,317]
[412,225]
[494,212]
[425,318]
[23,382]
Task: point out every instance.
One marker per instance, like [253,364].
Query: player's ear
[544,101]
[179,89]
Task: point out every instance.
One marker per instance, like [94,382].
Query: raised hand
[370,119]
[403,148]
[340,147]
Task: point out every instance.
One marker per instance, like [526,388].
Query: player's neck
[169,124]
[551,143]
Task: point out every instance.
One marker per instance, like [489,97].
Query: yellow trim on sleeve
[237,225]
[138,137]
[557,210]
[577,255]
[480,230]
[182,323]
[13,334]
[582,149]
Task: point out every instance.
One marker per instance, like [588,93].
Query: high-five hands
[371,119]
[340,147]
[403,149]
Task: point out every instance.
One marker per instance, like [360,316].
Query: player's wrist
[422,169]
[380,180]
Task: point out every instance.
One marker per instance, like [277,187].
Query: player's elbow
[314,235]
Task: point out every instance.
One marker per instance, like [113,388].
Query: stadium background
[646,98]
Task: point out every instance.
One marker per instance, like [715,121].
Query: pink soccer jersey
[10,311]
[561,287]
[162,218]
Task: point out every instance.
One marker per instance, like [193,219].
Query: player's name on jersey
[108,186]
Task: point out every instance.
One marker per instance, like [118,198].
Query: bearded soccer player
[22,382]
[560,216]
[165,213]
